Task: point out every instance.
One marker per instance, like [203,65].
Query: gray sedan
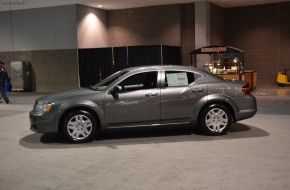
[145,96]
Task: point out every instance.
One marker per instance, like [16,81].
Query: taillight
[246,89]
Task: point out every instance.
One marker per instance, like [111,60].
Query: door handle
[198,90]
[151,94]
[155,94]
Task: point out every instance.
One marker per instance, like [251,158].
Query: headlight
[42,106]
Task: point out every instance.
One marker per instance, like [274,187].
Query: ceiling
[122,4]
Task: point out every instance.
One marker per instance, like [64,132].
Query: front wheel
[215,120]
[79,126]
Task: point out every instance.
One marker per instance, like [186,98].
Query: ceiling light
[100,6]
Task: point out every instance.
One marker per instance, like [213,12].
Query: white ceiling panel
[122,4]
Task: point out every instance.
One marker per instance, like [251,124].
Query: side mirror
[116,90]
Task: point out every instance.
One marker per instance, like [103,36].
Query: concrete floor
[254,155]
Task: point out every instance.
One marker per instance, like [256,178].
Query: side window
[197,76]
[178,78]
[140,81]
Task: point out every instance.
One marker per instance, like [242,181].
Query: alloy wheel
[79,127]
[216,120]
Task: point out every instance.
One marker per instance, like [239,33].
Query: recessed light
[100,6]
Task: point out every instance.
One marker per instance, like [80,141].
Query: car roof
[162,67]
[210,76]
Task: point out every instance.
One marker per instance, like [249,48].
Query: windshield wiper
[97,88]
[91,87]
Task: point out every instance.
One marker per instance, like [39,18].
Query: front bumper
[46,123]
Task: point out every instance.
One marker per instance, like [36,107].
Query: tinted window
[178,78]
[140,81]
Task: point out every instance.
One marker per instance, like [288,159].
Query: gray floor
[254,155]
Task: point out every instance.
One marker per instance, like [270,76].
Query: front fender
[83,104]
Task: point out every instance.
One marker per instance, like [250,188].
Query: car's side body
[166,100]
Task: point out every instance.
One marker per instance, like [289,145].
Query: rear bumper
[249,109]
[246,114]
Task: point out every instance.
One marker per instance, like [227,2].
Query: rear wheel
[215,120]
[79,126]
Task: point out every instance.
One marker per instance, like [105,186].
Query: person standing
[3,78]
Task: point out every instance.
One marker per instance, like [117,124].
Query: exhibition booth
[226,62]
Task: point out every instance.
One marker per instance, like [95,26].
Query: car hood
[67,94]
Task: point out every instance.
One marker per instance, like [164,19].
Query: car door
[180,93]
[137,103]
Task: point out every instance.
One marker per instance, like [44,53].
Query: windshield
[107,81]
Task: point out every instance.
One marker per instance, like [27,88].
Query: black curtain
[144,55]
[120,58]
[106,62]
[87,69]
[94,65]
[171,55]
[97,63]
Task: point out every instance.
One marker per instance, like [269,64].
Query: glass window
[140,81]
[178,78]
[107,81]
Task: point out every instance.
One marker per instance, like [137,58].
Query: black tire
[79,127]
[215,120]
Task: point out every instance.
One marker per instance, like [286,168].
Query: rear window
[178,78]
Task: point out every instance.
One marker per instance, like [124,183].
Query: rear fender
[222,99]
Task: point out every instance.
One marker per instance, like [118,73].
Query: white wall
[5,32]
[51,28]
[202,30]
[66,27]
[91,27]
[38,29]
